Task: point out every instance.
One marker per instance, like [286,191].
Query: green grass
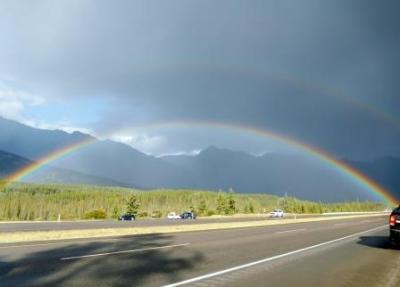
[45,201]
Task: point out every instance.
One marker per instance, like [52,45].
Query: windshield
[199,143]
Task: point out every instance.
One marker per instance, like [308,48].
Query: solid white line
[206,276]
[293,230]
[124,251]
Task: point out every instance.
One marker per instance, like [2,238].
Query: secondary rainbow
[287,78]
[353,174]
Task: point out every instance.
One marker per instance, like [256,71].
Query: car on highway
[127,217]
[188,215]
[394,225]
[173,215]
[276,213]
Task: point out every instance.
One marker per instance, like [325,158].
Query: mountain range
[105,162]
[10,163]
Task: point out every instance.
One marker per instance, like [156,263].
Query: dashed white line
[293,230]
[124,251]
[236,268]
[73,241]
[345,223]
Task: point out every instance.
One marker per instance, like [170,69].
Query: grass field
[46,201]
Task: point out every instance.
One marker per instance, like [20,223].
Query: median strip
[35,236]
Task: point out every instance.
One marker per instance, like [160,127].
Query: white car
[277,213]
[173,215]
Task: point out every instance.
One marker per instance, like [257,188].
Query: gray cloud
[313,70]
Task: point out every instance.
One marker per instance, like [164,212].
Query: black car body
[188,215]
[127,217]
[394,225]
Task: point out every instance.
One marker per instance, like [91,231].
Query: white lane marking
[368,221]
[73,241]
[28,245]
[221,272]
[124,251]
[354,223]
[293,230]
[345,223]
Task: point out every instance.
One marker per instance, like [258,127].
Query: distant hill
[105,162]
[10,163]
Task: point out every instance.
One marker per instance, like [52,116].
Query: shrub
[210,212]
[143,214]
[95,214]
[156,214]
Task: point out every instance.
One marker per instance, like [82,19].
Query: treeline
[47,201]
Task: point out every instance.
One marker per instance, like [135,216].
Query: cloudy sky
[142,72]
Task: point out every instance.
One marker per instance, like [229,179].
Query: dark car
[127,217]
[188,215]
[394,225]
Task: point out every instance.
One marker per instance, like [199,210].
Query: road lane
[209,251]
[122,252]
[96,224]
[368,260]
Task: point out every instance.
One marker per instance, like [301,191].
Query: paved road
[352,252]
[95,224]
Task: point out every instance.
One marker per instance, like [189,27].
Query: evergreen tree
[221,203]
[132,205]
[251,208]
[202,207]
[231,204]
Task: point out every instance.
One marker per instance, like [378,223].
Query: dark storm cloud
[287,66]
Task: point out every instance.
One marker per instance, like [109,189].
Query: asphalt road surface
[346,252]
[95,224]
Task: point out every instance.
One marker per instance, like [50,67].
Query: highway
[95,224]
[346,252]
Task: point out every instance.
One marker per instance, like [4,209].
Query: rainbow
[35,165]
[322,156]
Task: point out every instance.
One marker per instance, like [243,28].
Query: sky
[140,72]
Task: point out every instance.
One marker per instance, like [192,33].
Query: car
[173,215]
[188,215]
[276,213]
[127,217]
[394,226]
